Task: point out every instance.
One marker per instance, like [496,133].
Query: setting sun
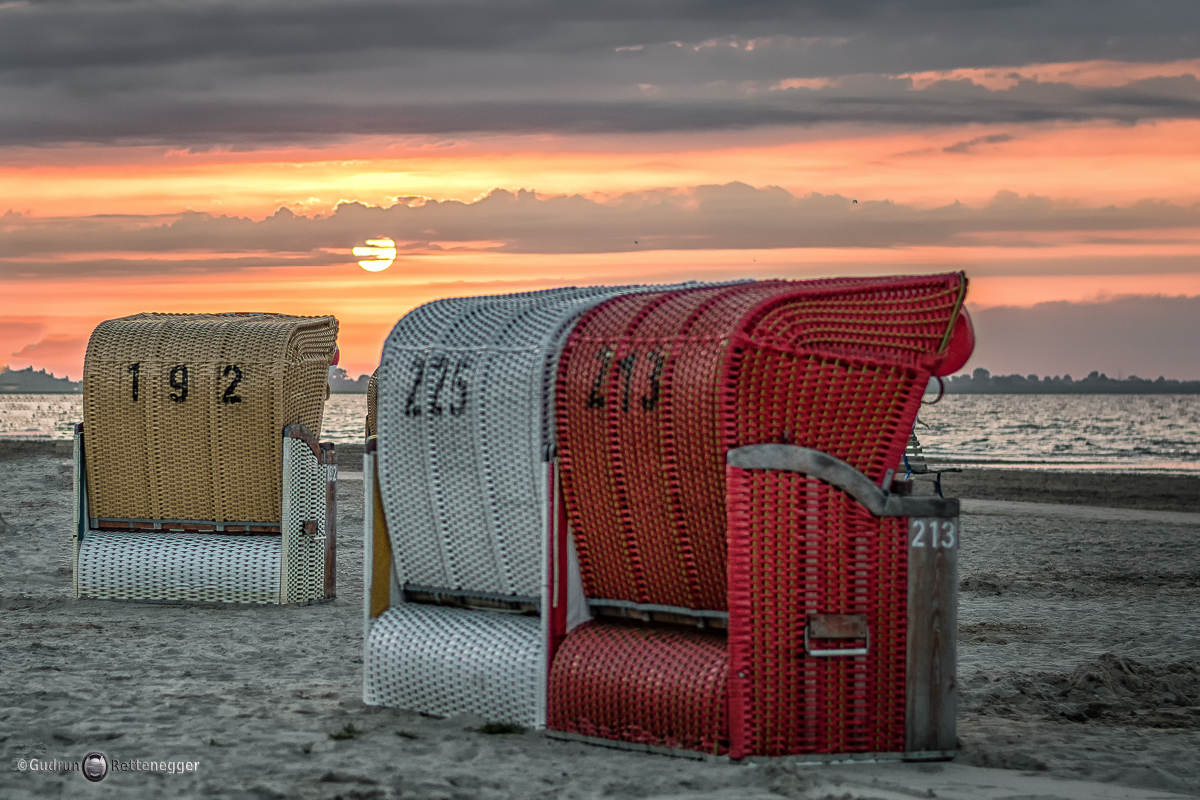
[382,253]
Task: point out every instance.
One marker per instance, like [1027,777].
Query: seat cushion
[643,685]
[449,661]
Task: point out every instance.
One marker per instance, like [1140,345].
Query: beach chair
[918,469]
[459,506]
[726,456]
[199,475]
[652,577]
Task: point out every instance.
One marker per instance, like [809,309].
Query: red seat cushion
[642,685]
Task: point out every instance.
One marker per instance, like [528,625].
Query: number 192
[178,380]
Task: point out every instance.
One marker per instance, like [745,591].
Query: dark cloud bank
[268,71]
[733,216]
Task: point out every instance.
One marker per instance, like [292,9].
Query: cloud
[965,147]
[119,32]
[13,330]
[734,216]
[185,119]
[15,333]
[57,353]
[1144,335]
[268,72]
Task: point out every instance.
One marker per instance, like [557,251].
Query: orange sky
[1095,163]
[62,313]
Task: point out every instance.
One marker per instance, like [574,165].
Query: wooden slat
[381,551]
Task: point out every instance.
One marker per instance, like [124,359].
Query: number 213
[935,533]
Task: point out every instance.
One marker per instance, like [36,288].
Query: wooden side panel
[329,459]
[932,634]
[380,594]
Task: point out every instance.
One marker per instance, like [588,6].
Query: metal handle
[837,626]
[834,471]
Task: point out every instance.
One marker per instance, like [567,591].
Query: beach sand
[1079,660]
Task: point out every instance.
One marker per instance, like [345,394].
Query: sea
[1102,433]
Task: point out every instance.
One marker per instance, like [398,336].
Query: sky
[228,156]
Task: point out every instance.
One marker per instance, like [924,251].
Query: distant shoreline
[6,391]
[18,391]
[983,382]
[1186,391]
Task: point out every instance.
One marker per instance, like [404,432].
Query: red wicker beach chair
[762,606]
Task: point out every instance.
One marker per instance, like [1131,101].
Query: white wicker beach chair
[461,482]
[198,475]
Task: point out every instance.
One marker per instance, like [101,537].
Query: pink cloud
[56,353]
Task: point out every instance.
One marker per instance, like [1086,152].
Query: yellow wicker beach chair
[199,475]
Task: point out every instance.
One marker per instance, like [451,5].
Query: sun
[382,252]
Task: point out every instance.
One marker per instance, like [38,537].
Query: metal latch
[837,626]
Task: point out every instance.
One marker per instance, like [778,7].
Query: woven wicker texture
[799,547]
[448,661]
[647,686]
[373,403]
[186,567]
[465,419]
[655,388]
[303,557]
[170,565]
[183,412]
[840,369]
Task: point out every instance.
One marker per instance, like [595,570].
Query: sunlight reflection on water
[53,416]
[1139,433]
[1142,433]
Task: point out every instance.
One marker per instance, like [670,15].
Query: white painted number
[949,529]
[942,532]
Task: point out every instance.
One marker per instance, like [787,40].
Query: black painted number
[459,384]
[650,399]
[230,396]
[437,363]
[596,397]
[412,406]
[135,370]
[178,378]
[434,371]
[625,370]
[626,365]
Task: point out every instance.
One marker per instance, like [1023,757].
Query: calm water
[53,416]
[1124,433]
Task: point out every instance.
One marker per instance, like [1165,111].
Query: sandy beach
[1079,672]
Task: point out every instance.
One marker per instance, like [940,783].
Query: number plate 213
[933,532]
